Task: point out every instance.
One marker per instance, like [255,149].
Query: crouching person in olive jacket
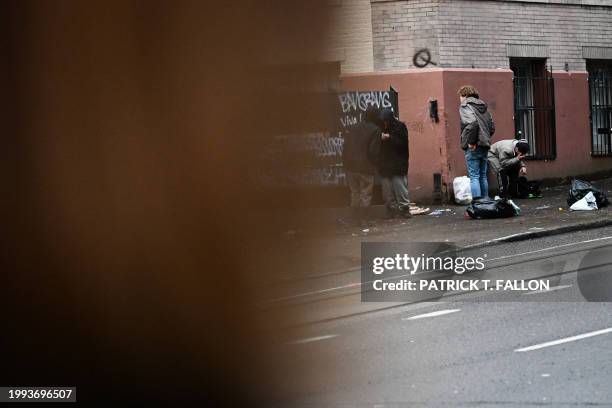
[506,160]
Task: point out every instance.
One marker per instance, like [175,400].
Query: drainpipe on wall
[437,188]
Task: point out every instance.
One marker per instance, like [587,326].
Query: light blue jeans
[477,171]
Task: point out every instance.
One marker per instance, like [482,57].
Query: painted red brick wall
[495,88]
[427,138]
[435,148]
[573,132]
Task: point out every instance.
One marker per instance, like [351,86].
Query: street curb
[524,236]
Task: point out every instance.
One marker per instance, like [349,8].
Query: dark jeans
[508,182]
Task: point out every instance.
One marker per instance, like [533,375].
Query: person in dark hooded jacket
[477,129]
[358,163]
[392,165]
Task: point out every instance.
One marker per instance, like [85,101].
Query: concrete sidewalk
[323,245]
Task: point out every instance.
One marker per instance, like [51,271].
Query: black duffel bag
[491,209]
[581,188]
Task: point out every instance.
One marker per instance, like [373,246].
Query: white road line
[549,248]
[312,339]
[504,237]
[565,340]
[548,290]
[432,314]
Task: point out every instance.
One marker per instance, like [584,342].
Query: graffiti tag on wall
[422,58]
[306,159]
[315,158]
[354,104]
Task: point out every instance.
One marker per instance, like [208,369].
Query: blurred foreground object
[130,131]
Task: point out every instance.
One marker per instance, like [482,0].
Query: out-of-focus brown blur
[130,135]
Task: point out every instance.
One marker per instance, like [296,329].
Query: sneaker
[418,210]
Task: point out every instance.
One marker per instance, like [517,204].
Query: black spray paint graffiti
[422,58]
[417,127]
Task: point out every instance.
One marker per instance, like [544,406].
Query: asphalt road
[549,348]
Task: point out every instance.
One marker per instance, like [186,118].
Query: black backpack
[525,188]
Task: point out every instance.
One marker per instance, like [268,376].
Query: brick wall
[400,28]
[466,33]
[350,36]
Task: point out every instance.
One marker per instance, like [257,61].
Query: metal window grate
[600,91]
[534,115]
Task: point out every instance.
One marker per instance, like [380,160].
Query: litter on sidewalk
[517,209]
[586,203]
[580,189]
[439,211]
[414,210]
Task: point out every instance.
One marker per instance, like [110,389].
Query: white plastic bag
[463,190]
[586,203]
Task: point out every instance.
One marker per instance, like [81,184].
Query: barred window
[534,106]
[600,95]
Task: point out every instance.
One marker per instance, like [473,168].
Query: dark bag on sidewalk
[581,188]
[491,209]
[528,189]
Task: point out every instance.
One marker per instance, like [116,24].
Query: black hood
[387,115]
[373,115]
[389,121]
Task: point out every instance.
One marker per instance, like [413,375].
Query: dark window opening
[600,95]
[534,106]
